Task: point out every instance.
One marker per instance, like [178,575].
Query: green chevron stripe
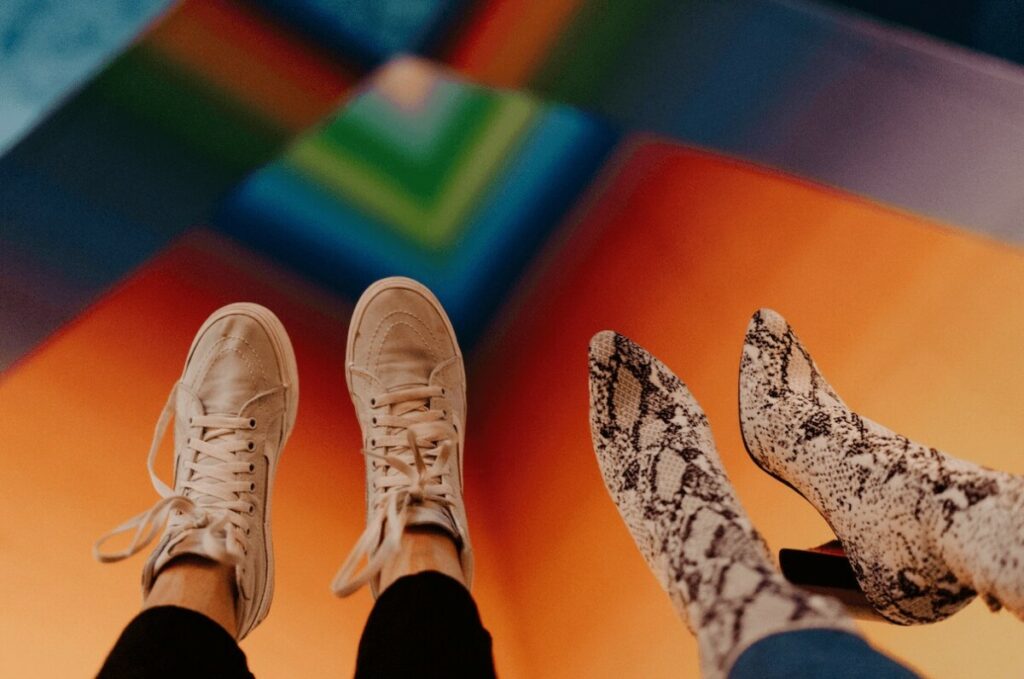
[423,178]
[364,181]
[424,124]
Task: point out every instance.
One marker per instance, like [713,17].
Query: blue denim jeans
[814,653]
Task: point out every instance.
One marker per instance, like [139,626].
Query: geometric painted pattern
[805,87]
[464,186]
[218,88]
[425,175]
[419,159]
[677,247]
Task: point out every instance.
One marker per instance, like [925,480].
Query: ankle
[198,584]
[423,548]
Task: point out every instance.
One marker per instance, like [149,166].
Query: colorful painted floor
[536,164]
[918,325]
[105,166]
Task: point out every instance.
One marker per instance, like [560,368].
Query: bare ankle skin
[200,585]
[423,549]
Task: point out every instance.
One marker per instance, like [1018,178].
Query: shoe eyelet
[374,420]
[444,413]
[373,401]
[373,443]
[191,420]
[252,486]
[252,467]
[443,391]
[252,423]
[252,509]
[251,445]
[248,531]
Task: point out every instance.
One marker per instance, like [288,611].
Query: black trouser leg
[425,625]
[167,641]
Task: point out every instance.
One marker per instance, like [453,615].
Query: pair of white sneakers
[234,409]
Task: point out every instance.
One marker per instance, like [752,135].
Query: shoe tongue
[404,360]
[433,514]
[189,542]
[403,407]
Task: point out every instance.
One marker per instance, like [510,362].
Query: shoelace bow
[219,502]
[410,470]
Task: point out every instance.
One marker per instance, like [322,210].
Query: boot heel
[826,570]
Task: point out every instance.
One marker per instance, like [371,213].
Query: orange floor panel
[917,325]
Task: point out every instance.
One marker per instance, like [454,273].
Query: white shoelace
[219,503]
[410,470]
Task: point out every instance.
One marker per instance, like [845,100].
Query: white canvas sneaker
[408,385]
[234,408]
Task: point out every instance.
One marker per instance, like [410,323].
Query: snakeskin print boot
[660,465]
[923,531]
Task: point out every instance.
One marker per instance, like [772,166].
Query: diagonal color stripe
[241,54]
[355,134]
[433,225]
